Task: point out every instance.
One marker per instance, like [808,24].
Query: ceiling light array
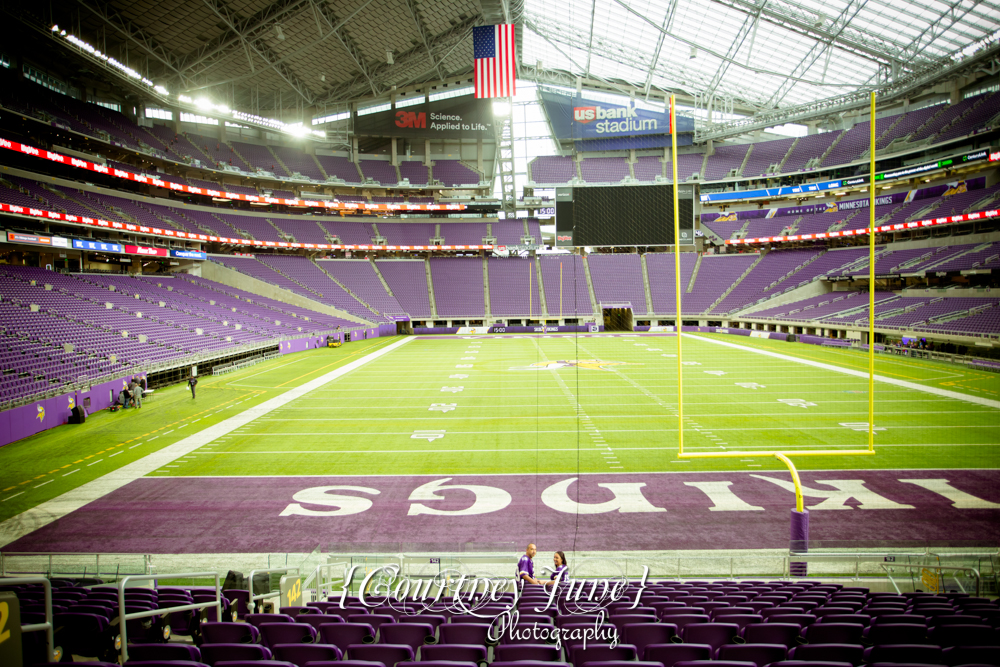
[122,67]
[295,129]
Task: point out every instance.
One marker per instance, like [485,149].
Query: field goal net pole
[799,530]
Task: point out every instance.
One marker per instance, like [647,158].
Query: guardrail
[251,604]
[123,617]
[939,568]
[47,625]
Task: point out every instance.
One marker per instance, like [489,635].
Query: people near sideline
[136,390]
[192,383]
[560,573]
[526,567]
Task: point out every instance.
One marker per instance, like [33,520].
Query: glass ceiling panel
[618,40]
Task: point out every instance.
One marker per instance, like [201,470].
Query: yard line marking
[847,371]
[94,462]
[46,513]
[43,484]
[71,472]
[116,454]
[150,440]
[13,496]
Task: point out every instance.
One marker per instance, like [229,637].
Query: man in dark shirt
[526,567]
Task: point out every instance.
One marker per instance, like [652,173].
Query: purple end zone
[642,511]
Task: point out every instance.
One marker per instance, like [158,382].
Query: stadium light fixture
[501,108]
[55,28]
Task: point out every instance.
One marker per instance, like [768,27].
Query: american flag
[496,68]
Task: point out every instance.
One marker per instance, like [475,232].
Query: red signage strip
[965,217]
[143,250]
[219,194]
[172,233]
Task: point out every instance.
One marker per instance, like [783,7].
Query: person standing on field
[192,382]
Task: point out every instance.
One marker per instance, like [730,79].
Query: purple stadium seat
[968,655]
[669,654]
[964,635]
[294,612]
[905,664]
[904,653]
[253,663]
[146,652]
[862,619]
[388,654]
[814,663]
[759,654]
[463,633]
[229,633]
[642,635]
[413,635]
[240,599]
[530,652]
[957,619]
[272,634]
[713,634]
[579,655]
[257,619]
[683,620]
[454,653]
[438,663]
[84,634]
[213,653]
[802,620]
[317,620]
[165,663]
[343,635]
[786,634]
[898,633]
[528,663]
[833,633]
[300,654]
[852,653]
[621,663]
[713,663]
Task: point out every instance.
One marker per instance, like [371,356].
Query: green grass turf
[511,418]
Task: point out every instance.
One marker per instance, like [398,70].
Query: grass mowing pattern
[520,411]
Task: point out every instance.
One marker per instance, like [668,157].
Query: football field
[520,408]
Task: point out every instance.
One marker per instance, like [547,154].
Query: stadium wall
[221,274]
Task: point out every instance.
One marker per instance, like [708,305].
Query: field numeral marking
[467,359]
[719,373]
[860,426]
[799,403]
[443,407]
[429,436]
[463,365]
[690,363]
[453,390]
[457,376]
[750,385]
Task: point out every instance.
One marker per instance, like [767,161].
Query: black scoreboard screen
[640,215]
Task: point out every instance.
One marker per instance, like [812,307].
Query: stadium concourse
[307,302]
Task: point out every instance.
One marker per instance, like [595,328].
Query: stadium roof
[755,57]
[761,54]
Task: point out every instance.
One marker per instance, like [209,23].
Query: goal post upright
[677,276]
[871,277]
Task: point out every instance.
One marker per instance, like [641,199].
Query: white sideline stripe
[37,517]
[944,393]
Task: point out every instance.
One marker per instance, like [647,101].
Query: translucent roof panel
[761,53]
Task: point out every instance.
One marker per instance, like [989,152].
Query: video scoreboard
[640,215]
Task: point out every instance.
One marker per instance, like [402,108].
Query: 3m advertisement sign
[452,118]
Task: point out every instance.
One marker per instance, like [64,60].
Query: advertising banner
[33,239]
[97,246]
[453,118]
[188,254]
[576,117]
[143,250]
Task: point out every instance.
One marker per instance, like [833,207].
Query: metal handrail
[123,617]
[47,625]
[323,585]
[251,605]
[973,570]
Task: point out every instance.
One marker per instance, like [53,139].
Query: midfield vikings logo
[592,364]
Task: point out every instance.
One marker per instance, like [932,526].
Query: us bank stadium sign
[576,117]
